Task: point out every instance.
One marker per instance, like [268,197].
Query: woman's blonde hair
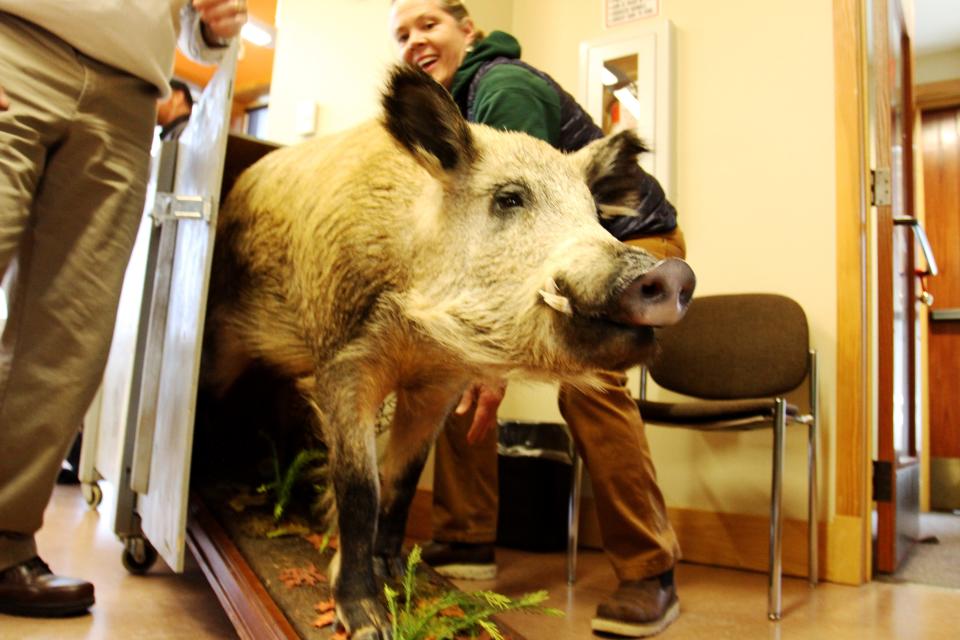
[459,11]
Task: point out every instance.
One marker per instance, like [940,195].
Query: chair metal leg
[812,548]
[775,589]
[812,511]
[573,515]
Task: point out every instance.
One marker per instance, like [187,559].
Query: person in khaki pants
[607,430]
[79,84]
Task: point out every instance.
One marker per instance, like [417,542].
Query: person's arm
[4,101]
[207,26]
[512,98]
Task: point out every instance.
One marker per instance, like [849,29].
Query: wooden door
[897,468]
[941,179]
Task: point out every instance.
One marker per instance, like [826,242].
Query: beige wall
[335,53]
[935,67]
[332,54]
[755,192]
[754,175]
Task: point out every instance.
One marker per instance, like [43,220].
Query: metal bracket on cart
[170,206]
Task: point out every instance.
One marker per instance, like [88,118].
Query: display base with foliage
[263,477]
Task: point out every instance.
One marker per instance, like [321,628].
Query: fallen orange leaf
[453,612]
[325,605]
[301,576]
[317,540]
[324,620]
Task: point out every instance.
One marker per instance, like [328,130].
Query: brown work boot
[639,608]
[30,589]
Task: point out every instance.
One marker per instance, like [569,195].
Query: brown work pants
[74,157]
[609,435]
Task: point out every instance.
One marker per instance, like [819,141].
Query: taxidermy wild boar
[415,255]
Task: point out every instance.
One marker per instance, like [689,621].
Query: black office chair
[736,357]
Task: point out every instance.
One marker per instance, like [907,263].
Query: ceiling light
[630,102]
[257,33]
[607,77]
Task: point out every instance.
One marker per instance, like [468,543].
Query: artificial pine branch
[472,610]
[283,484]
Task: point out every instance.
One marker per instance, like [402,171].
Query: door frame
[897,477]
[850,531]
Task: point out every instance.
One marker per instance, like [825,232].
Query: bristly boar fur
[415,255]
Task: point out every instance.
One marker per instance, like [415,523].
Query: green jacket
[508,96]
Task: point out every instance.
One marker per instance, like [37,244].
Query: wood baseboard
[734,540]
[741,541]
[938,95]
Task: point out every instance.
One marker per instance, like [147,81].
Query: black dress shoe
[30,589]
[462,560]
[67,476]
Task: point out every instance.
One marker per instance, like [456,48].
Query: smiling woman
[433,35]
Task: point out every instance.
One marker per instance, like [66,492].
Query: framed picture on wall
[626,81]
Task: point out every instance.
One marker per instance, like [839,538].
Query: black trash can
[535,462]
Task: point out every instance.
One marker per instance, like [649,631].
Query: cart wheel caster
[138,555]
[92,493]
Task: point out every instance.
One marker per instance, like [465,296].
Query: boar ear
[420,114]
[612,170]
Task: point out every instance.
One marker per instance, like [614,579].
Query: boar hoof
[369,633]
[389,567]
[364,619]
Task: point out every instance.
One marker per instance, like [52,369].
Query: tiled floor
[77,541]
[718,604]
[715,603]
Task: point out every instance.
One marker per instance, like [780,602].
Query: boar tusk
[556,301]
[559,303]
[608,211]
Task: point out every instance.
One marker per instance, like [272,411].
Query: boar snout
[659,297]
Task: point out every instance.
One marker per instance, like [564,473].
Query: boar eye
[508,198]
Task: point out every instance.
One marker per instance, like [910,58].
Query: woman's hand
[222,19]
[487,397]
[4,101]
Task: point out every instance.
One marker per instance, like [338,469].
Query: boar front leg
[419,415]
[353,468]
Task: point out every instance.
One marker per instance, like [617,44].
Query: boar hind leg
[351,443]
[418,417]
